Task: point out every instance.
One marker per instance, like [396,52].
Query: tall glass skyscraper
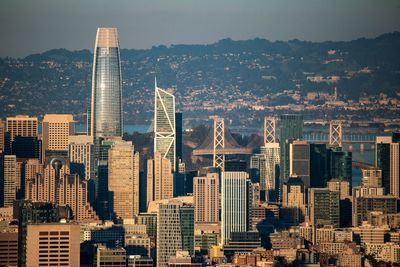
[291,127]
[164,125]
[106,106]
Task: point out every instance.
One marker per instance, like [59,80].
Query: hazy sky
[32,26]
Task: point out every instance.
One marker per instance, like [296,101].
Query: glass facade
[164,125]
[106,86]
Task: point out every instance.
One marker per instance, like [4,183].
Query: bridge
[361,165]
[219,141]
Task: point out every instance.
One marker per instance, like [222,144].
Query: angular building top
[106,106]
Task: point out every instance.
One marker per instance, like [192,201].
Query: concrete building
[123,179]
[22,125]
[323,207]
[371,177]
[235,203]
[272,160]
[206,198]
[105,256]
[52,244]
[159,178]
[8,249]
[81,156]
[56,129]
[341,186]
[293,200]
[175,230]
[9,180]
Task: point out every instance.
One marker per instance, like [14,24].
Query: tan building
[81,155]
[22,125]
[53,244]
[293,200]
[349,257]
[8,248]
[371,234]
[388,252]
[56,129]
[371,177]
[206,198]
[123,179]
[10,179]
[71,191]
[341,186]
[32,168]
[2,130]
[159,178]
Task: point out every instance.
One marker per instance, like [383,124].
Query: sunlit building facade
[106,106]
[164,125]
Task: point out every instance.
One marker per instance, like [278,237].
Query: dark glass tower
[291,128]
[106,106]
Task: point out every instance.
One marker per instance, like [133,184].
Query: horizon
[206,44]
[31,27]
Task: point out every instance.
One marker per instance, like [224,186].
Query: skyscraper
[206,198]
[300,161]
[106,106]
[235,203]
[52,244]
[2,131]
[294,199]
[159,178]
[9,180]
[81,156]
[324,207]
[164,125]
[22,125]
[272,170]
[175,230]
[291,126]
[56,129]
[388,160]
[178,136]
[123,179]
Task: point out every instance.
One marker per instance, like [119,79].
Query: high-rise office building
[164,125]
[52,244]
[258,169]
[388,160]
[29,212]
[159,178]
[178,137]
[123,179]
[368,199]
[206,198]
[299,162]
[323,207]
[272,171]
[81,156]
[235,203]
[341,186]
[105,256]
[294,200]
[56,129]
[291,128]
[22,126]
[9,180]
[371,177]
[175,230]
[8,248]
[340,164]
[2,131]
[106,106]
[26,147]
[319,165]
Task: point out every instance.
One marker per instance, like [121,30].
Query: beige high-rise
[22,125]
[341,186]
[56,129]
[123,179]
[159,178]
[81,152]
[10,179]
[53,244]
[2,130]
[206,198]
